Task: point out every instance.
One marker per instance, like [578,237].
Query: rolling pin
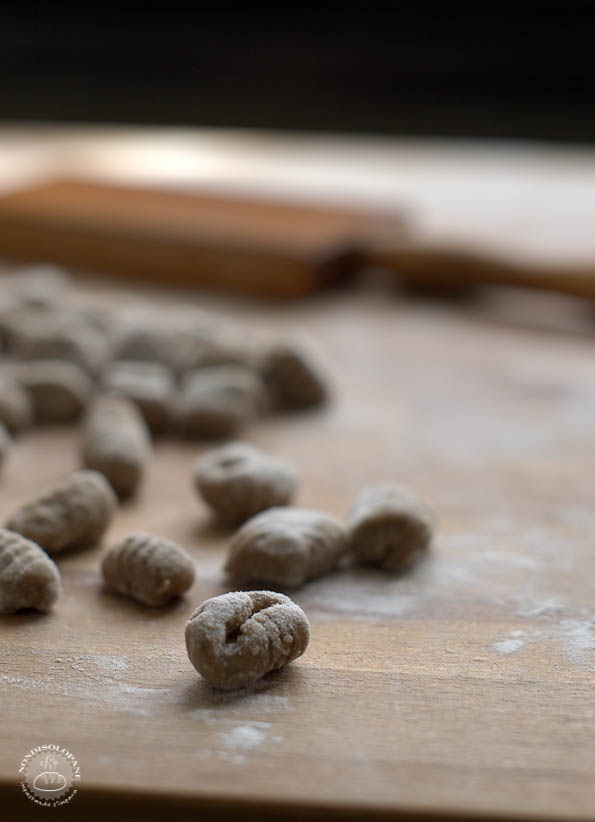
[255,246]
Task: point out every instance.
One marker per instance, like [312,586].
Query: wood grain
[464,688]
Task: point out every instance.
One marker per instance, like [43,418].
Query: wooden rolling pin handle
[445,266]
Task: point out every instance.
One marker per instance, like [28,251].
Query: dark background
[489,69]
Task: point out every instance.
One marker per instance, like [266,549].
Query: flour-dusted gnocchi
[286,546]
[292,375]
[71,513]
[148,568]
[239,480]
[236,638]
[149,385]
[28,577]
[116,442]
[59,390]
[216,401]
[389,526]
[63,337]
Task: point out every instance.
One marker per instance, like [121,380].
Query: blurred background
[471,125]
[493,69]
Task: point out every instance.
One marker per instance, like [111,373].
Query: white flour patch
[531,607]
[514,642]
[356,593]
[108,665]
[245,737]
[222,756]
[237,741]
[12,680]
[162,694]
[578,639]
[574,637]
[93,666]
[444,571]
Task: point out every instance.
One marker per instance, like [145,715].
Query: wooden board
[463,688]
[252,245]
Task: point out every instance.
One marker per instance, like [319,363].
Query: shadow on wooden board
[91,804]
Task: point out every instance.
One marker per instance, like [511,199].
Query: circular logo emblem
[50,775]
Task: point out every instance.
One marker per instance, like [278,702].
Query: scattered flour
[161,694]
[578,639]
[238,740]
[445,571]
[93,665]
[355,592]
[109,665]
[95,679]
[514,642]
[245,737]
[531,607]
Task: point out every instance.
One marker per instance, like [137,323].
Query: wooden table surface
[463,688]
